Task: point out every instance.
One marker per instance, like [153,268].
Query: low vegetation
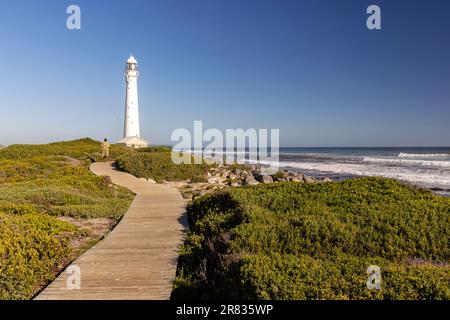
[294,240]
[32,249]
[158,165]
[155,149]
[54,186]
[41,187]
[284,240]
[83,149]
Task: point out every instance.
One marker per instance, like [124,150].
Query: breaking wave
[408,162]
[423,155]
[426,177]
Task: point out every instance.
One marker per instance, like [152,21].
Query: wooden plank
[138,259]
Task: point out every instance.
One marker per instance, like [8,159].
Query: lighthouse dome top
[131,59]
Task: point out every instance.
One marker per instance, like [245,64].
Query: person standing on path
[105,149]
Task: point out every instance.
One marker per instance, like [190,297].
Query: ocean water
[424,167]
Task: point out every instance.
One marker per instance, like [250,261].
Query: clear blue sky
[310,68]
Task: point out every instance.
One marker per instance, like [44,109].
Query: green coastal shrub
[316,241]
[301,277]
[39,184]
[155,149]
[32,249]
[159,166]
[85,148]
[59,188]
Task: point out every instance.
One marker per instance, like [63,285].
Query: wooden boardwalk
[138,259]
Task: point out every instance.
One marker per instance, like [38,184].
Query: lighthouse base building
[135,142]
[131,135]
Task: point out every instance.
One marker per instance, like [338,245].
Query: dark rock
[308,179]
[262,178]
[250,180]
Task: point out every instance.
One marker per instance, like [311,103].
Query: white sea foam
[428,178]
[424,155]
[408,162]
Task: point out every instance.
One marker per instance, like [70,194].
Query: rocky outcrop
[229,176]
[308,179]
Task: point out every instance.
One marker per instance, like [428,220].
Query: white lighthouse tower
[131,133]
